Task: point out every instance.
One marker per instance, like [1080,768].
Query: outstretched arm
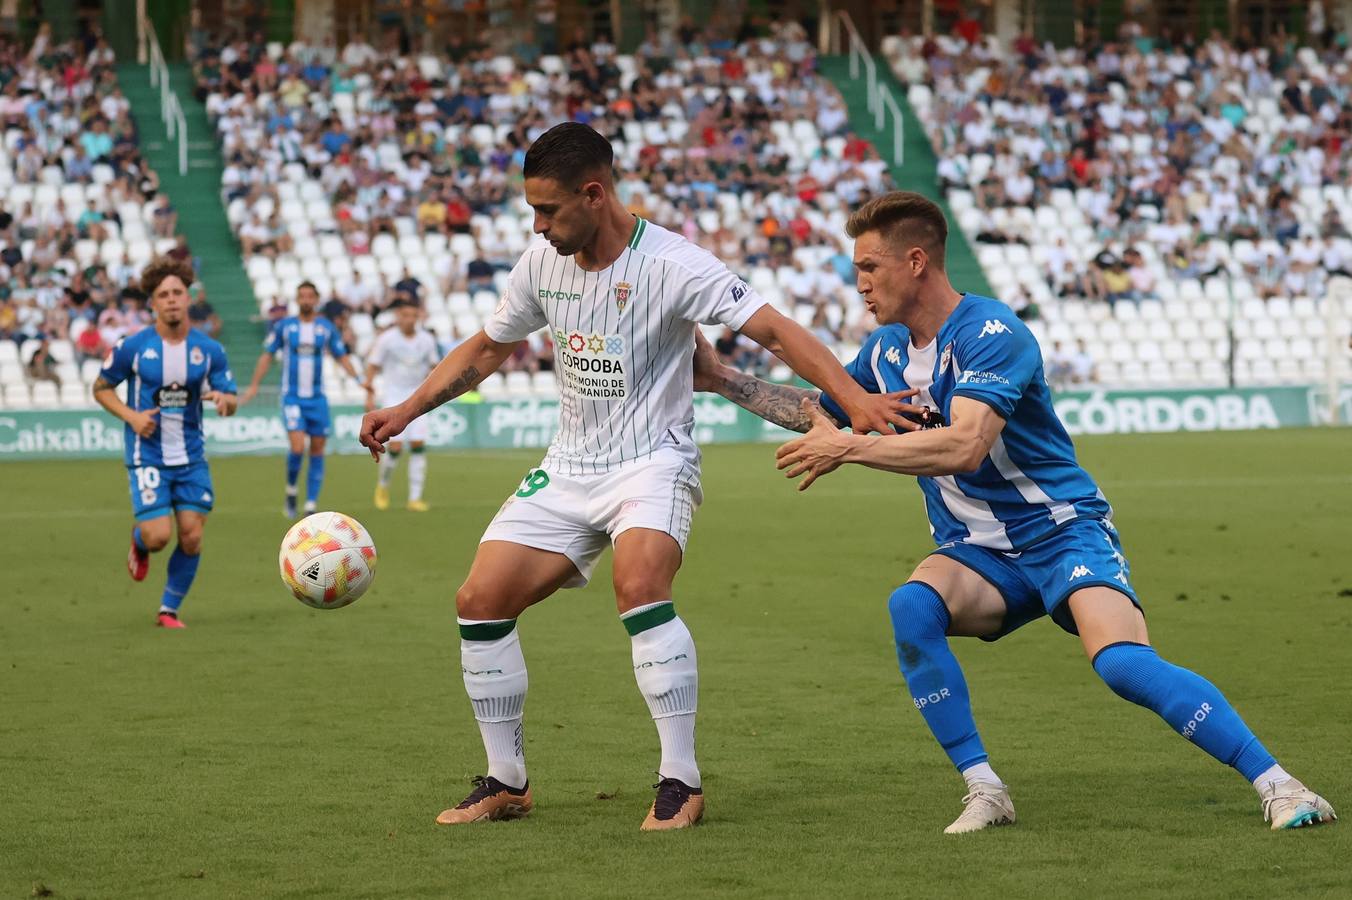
[807,356]
[957,449]
[781,404]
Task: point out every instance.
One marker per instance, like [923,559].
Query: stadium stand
[1163,207]
[81,213]
[371,175]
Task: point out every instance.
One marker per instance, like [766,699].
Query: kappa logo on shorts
[1079,572]
[1121,576]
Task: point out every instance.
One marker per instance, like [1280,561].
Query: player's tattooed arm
[467,378]
[781,404]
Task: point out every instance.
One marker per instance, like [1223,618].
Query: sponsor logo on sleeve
[739,291]
[972,376]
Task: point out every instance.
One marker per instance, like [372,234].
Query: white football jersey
[404,362]
[624,340]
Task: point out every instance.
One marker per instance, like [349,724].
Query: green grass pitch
[272,750]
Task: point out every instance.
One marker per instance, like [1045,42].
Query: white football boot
[1290,804]
[986,805]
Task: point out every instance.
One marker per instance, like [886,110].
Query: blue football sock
[182,570]
[136,539]
[293,461]
[1193,706]
[314,479]
[932,673]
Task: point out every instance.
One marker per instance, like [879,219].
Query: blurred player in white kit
[403,356]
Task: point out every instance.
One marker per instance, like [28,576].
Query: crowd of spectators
[702,124]
[1186,158]
[68,131]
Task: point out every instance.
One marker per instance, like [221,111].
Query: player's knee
[154,538]
[474,602]
[917,610]
[190,541]
[639,589]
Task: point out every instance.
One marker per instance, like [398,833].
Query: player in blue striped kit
[1022,531]
[171,370]
[303,340]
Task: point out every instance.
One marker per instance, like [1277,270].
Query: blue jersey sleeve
[117,366]
[861,370]
[997,359]
[336,346]
[221,378]
[273,343]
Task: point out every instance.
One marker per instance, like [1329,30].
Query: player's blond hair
[161,268]
[904,218]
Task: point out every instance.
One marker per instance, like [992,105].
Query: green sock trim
[658,615]
[487,631]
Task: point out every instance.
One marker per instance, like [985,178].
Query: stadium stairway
[919,173]
[197,197]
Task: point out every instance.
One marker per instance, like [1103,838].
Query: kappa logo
[893,355]
[206,497]
[150,354]
[1121,576]
[311,572]
[1079,572]
[993,326]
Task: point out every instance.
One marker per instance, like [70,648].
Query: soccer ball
[327,560]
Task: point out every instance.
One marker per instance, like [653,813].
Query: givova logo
[558,295]
[648,664]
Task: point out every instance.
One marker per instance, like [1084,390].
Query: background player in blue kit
[302,340]
[171,369]
[1022,530]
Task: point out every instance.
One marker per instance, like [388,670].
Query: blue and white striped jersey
[303,345]
[1030,484]
[171,377]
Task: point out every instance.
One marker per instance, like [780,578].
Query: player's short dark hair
[153,275]
[402,303]
[569,153]
[904,217]
[307,284]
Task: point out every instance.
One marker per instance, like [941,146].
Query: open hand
[816,453]
[226,404]
[880,412]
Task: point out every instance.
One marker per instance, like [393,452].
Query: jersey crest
[622,289]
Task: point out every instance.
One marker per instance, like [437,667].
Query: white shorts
[580,515]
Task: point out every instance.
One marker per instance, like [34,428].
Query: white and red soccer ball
[327,560]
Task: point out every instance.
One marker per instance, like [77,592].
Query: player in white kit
[622,298]
[402,356]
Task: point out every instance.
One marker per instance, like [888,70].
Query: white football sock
[385,471]
[1271,777]
[981,772]
[417,474]
[667,675]
[495,679]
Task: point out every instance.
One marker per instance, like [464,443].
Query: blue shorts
[155,490]
[1036,582]
[309,414]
